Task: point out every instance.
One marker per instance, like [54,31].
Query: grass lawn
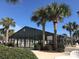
[15,53]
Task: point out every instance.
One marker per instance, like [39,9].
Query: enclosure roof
[30,32]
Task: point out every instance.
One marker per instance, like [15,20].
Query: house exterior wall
[27,37]
[22,43]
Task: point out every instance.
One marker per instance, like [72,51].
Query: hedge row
[15,53]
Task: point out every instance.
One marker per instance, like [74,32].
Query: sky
[23,11]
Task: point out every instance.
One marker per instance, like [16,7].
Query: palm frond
[6,22]
[40,16]
[65,10]
[12,1]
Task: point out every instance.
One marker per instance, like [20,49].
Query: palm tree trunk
[55,32]
[43,28]
[71,38]
[6,40]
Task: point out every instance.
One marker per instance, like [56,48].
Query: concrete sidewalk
[47,55]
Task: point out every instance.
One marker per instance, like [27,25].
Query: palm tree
[6,23]
[2,33]
[40,17]
[71,27]
[76,32]
[56,12]
[65,39]
[75,26]
[76,35]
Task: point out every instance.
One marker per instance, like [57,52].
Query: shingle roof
[26,32]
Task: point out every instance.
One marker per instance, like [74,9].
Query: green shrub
[15,53]
[10,44]
[61,47]
[37,46]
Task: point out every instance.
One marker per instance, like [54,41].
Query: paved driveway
[55,55]
[47,55]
